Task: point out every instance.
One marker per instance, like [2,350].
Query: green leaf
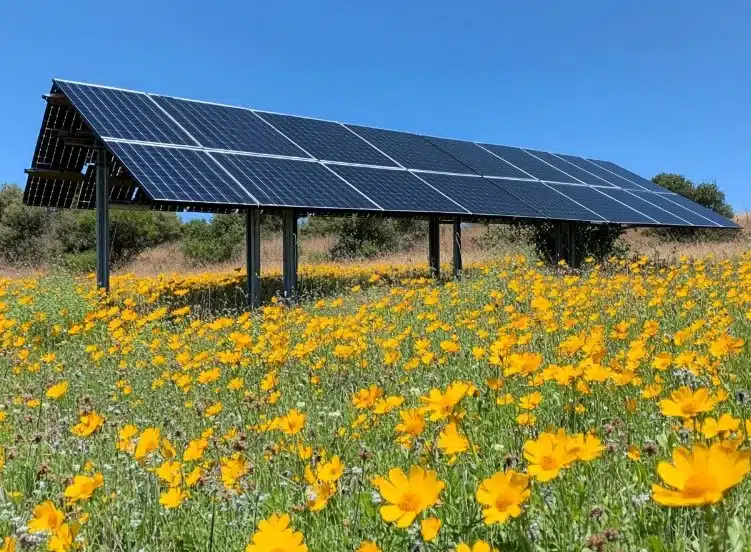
[736,536]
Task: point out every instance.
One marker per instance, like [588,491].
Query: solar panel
[180,175]
[410,150]
[596,170]
[546,200]
[116,113]
[327,140]
[397,190]
[228,128]
[660,200]
[701,210]
[568,168]
[644,206]
[603,205]
[529,163]
[628,175]
[291,183]
[480,196]
[181,154]
[479,160]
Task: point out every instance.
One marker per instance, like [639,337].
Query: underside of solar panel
[175,154]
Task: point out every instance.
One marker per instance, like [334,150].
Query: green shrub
[366,237]
[131,232]
[216,241]
[79,263]
[22,229]
[598,241]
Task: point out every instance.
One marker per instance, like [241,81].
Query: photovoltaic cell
[480,196]
[701,210]
[127,115]
[643,205]
[228,128]
[588,166]
[661,201]
[568,168]
[628,175]
[529,164]
[179,175]
[603,205]
[291,183]
[547,201]
[479,160]
[397,190]
[327,140]
[410,150]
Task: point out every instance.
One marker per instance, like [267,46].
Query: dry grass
[641,243]
[169,259]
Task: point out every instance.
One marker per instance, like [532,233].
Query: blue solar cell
[643,205]
[547,201]
[115,113]
[660,200]
[327,140]
[480,196]
[228,128]
[596,170]
[529,163]
[397,190]
[568,168]
[179,175]
[700,210]
[479,160]
[410,150]
[290,183]
[630,176]
[605,206]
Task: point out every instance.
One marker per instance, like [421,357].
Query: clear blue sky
[654,86]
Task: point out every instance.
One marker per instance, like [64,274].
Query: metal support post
[253,255]
[557,241]
[102,221]
[457,235]
[434,246]
[573,258]
[289,253]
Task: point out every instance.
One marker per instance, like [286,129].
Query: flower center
[698,485]
[410,502]
[548,463]
[689,407]
[503,501]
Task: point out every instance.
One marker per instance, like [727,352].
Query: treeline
[36,236]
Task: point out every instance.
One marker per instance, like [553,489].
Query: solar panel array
[212,157]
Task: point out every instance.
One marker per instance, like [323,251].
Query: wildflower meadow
[519,408]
